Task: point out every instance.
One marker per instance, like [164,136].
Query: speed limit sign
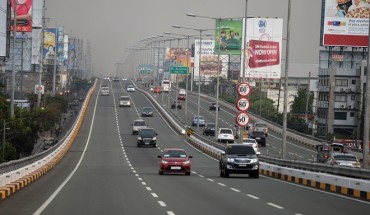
[243,89]
[242,104]
[242,119]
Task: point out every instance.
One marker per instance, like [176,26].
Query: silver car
[343,159]
[124,101]
[137,125]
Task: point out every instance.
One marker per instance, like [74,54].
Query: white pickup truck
[261,126]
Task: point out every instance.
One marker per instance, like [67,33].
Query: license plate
[146,143]
[176,167]
[242,165]
[257,138]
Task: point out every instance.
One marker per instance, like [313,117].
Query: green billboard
[228,36]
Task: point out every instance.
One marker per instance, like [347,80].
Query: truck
[166,86]
[182,94]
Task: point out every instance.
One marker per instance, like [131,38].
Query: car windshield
[258,133]
[345,157]
[174,154]
[200,118]
[226,131]
[147,109]
[139,123]
[105,88]
[124,98]
[239,149]
[150,132]
[130,86]
[211,125]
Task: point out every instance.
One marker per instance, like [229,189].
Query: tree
[299,103]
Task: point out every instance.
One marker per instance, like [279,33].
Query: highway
[105,173]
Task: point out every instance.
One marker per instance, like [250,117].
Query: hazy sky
[113,25]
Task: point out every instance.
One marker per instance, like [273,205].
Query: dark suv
[259,136]
[146,137]
[239,159]
[209,129]
[213,106]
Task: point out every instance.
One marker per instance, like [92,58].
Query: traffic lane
[30,198]
[263,188]
[104,183]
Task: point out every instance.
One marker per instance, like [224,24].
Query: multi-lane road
[105,173]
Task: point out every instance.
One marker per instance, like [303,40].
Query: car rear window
[147,132]
[139,123]
[345,157]
[226,131]
[239,149]
[124,98]
[174,154]
[260,125]
[147,109]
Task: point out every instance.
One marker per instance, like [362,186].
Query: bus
[166,86]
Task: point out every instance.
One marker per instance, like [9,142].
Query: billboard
[37,10]
[60,47]
[209,61]
[36,45]
[180,56]
[3,28]
[23,11]
[50,45]
[65,46]
[263,48]
[229,36]
[346,23]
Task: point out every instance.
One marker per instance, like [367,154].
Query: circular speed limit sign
[242,104]
[242,119]
[243,89]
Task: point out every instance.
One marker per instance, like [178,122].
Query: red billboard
[23,11]
[263,53]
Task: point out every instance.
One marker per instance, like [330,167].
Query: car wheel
[155,145]
[263,144]
[222,173]
[226,173]
[160,172]
[256,174]
[187,173]
[138,145]
[133,133]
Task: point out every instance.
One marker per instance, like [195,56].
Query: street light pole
[367,110]
[13,61]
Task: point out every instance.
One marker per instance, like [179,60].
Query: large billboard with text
[346,23]
[263,48]
[23,11]
[37,11]
[3,28]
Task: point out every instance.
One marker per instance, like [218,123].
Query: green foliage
[10,153]
[299,103]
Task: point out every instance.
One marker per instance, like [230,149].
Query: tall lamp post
[200,62]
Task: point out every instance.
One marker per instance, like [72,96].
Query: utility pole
[367,110]
[41,56]
[13,62]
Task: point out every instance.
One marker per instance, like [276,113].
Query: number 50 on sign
[242,119]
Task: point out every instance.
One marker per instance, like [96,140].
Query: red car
[181,97]
[157,89]
[174,161]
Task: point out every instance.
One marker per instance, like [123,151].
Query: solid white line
[274,205]
[56,192]
[236,190]
[170,213]
[221,184]
[253,197]
[161,203]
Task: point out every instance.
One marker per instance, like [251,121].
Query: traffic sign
[243,89]
[242,119]
[242,104]
[181,70]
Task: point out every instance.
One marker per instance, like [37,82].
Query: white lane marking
[154,195]
[134,171]
[210,179]
[253,197]
[221,184]
[143,183]
[201,176]
[140,179]
[170,213]
[56,192]
[194,172]
[236,190]
[274,205]
[137,175]
[161,203]
[148,188]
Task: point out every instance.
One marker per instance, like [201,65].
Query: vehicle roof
[174,149]
[136,120]
[225,128]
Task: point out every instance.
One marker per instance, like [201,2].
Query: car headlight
[164,162]
[139,138]
[254,160]
[186,162]
[230,160]
[154,138]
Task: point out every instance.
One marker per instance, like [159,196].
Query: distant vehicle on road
[198,120]
[209,129]
[137,125]
[157,89]
[147,111]
[130,88]
[176,104]
[343,159]
[166,86]
[105,91]
[213,106]
[115,79]
[261,126]
[124,101]
[259,136]
[147,137]
[251,142]
[182,94]
[225,135]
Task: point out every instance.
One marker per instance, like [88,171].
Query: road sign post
[242,119]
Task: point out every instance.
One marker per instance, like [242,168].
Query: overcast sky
[113,25]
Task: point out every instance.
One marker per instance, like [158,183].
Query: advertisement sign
[209,64]
[3,35]
[50,45]
[346,23]
[60,46]
[23,11]
[180,56]
[229,36]
[37,8]
[263,48]
[65,46]
[36,45]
